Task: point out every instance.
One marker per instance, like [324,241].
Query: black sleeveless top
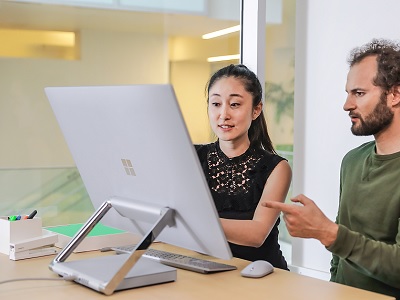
[236,185]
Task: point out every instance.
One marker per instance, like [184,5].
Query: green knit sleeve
[379,259]
[334,266]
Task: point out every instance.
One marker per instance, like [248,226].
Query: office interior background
[119,42]
[129,42]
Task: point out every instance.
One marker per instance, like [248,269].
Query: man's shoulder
[366,147]
[363,148]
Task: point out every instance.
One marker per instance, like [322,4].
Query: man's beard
[376,121]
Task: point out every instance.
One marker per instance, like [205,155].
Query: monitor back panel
[132,142]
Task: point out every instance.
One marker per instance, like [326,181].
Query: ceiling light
[224,57]
[221,32]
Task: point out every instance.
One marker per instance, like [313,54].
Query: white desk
[280,285]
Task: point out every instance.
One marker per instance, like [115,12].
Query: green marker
[12,218]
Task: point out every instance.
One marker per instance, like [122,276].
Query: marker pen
[32,214]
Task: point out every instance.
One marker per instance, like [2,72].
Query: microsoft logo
[128,167]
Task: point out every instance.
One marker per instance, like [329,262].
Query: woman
[242,167]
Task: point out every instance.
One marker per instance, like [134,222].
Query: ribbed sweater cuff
[344,243]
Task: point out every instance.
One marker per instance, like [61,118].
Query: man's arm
[334,263]
[334,266]
[379,259]
[306,220]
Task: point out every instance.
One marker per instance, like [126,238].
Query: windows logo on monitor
[128,167]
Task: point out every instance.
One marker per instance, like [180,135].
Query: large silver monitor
[130,143]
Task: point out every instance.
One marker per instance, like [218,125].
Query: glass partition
[279,93]
[76,43]
[102,43]
[108,42]
[57,194]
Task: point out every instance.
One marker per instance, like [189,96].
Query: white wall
[326,31]
[190,91]
[29,133]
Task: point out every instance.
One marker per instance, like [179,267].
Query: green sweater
[366,253]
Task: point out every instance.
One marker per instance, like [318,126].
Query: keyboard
[179,261]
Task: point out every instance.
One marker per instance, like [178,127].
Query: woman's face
[230,109]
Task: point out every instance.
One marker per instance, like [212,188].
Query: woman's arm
[254,232]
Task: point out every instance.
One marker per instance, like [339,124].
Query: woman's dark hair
[388,58]
[258,133]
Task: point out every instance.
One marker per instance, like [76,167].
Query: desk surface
[189,285]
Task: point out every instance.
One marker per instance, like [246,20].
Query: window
[114,42]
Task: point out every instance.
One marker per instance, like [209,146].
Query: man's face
[366,103]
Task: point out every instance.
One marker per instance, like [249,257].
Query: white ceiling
[20,15]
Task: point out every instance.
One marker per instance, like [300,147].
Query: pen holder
[14,231]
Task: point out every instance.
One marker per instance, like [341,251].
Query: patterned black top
[236,185]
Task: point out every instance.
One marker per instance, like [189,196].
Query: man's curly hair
[387,54]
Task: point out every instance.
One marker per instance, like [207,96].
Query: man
[365,240]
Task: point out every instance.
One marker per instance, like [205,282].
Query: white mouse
[258,268]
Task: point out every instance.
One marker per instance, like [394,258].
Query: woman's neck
[234,149]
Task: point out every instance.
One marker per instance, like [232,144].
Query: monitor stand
[132,270]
